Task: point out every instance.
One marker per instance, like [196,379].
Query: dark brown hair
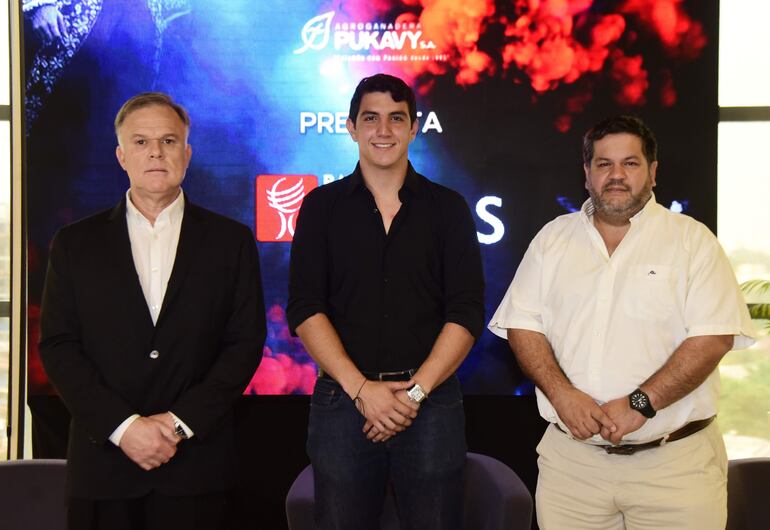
[618,125]
[398,90]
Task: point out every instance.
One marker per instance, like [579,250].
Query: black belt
[629,449]
[403,375]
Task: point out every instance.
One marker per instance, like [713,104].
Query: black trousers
[154,511]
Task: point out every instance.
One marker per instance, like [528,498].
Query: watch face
[179,431]
[416,393]
[639,400]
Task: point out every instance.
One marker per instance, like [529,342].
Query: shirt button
[154,354]
[375,211]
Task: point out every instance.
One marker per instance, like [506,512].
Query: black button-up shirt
[387,295]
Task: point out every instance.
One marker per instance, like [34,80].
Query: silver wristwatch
[416,393]
[179,430]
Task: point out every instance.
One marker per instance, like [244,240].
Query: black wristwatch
[640,402]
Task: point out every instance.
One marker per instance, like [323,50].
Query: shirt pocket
[649,293]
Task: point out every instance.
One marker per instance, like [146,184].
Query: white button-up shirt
[154,250]
[612,321]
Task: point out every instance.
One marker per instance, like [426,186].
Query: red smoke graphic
[455,27]
[289,371]
[679,34]
[548,44]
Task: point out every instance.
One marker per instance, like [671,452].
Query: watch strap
[640,402]
[179,430]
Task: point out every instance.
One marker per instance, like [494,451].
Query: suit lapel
[190,236]
[118,245]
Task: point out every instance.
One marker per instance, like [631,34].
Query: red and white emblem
[278,199]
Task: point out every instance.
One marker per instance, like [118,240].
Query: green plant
[758,311]
[744,397]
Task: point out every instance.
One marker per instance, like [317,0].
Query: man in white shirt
[620,314]
[152,324]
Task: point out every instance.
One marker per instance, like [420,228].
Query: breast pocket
[650,292]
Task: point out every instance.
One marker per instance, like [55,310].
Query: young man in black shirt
[386,293]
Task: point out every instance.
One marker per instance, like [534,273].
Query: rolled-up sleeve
[308,265]
[714,304]
[521,307]
[463,271]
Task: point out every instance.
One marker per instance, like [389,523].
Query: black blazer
[97,335]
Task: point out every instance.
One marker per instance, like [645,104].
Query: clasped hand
[386,407]
[585,418]
[150,441]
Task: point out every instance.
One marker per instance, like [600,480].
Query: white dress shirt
[612,321]
[153,247]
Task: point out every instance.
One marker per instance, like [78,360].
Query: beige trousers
[680,485]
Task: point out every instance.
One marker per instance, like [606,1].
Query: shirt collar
[646,209]
[170,214]
[355,180]
[412,182]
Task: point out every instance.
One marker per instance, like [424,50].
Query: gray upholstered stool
[495,498]
[748,494]
[32,495]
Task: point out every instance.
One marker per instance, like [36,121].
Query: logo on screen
[315,33]
[399,41]
[278,199]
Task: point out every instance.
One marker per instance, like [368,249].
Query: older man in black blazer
[152,324]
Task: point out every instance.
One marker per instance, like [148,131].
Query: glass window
[744,64]
[5,274]
[743,185]
[744,231]
[5,69]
